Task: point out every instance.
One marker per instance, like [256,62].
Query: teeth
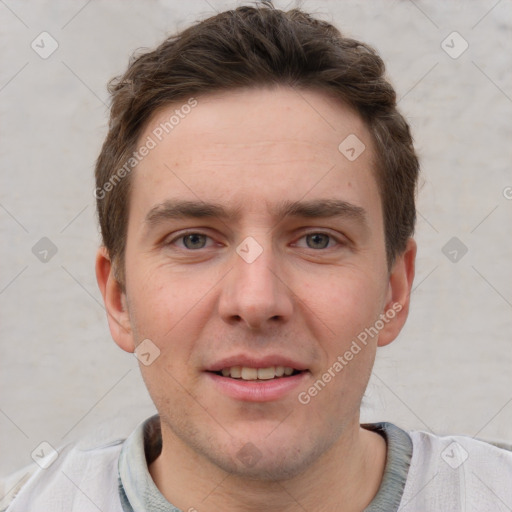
[266,373]
[249,373]
[236,372]
[246,373]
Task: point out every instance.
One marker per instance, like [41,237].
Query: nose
[255,292]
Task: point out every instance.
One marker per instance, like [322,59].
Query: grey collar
[398,460]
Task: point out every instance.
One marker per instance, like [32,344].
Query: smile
[250,388]
[248,373]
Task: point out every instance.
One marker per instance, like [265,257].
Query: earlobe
[399,294]
[115,302]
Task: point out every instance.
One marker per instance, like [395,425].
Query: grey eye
[194,241]
[317,240]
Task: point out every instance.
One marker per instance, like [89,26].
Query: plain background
[61,374]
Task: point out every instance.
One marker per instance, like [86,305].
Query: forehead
[252,148]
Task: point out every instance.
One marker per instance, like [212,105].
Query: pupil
[319,240]
[194,241]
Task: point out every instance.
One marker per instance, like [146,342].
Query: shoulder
[450,472]
[82,477]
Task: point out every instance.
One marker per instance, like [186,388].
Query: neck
[344,478]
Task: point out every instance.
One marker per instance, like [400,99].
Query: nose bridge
[254,293]
[253,266]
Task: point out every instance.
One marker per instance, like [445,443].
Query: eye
[191,240]
[318,241]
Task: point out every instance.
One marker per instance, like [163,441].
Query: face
[255,248]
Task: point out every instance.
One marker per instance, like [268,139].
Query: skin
[304,297]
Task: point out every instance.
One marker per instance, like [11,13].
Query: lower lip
[257,391]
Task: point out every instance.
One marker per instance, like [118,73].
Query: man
[256,199]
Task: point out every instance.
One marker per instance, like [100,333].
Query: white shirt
[423,473]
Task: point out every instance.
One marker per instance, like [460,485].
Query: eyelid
[181,234]
[338,237]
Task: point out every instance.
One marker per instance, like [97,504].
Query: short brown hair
[254,47]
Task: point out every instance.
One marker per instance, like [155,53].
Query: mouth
[262,378]
[258,383]
[246,373]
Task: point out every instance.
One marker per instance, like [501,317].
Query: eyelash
[182,235]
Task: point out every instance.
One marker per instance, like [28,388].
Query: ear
[115,302]
[399,294]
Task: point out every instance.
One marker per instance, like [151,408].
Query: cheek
[348,302]
[162,300]
[170,309]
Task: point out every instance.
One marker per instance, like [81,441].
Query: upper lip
[255,362]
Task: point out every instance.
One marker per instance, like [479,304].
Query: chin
[266,461]
[268,468]
[256,449]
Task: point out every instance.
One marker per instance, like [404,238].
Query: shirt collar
[139,493]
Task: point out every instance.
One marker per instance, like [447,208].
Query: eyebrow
[318,208]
